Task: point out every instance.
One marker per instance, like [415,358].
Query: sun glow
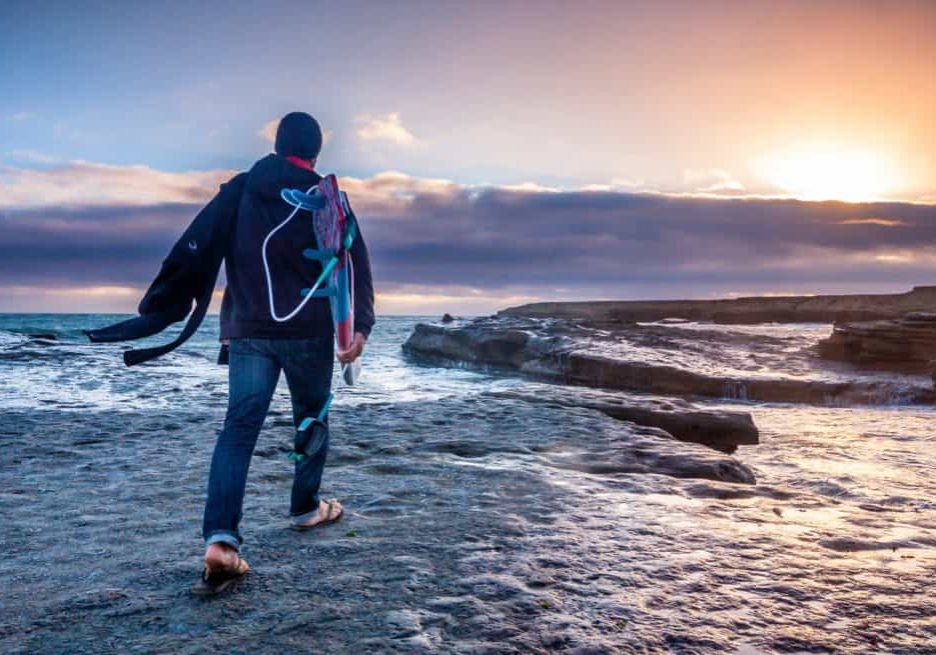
[830,174]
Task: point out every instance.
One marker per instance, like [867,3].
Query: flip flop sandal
[331,516]
[217,582]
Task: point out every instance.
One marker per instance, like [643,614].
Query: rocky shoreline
[518,350]
[553,350]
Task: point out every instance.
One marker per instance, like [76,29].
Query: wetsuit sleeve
[195,258]
[363,285]
[187,275]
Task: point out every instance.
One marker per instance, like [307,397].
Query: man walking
[260,347]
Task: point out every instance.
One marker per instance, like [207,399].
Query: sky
[495,152]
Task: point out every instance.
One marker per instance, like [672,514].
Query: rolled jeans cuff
[223,537]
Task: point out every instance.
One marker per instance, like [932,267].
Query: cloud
[33,156]
[712,180]
[896,257]
[391,193]
[384,128]
[82,184]
[20,116]
[422,299]
[25,298]
[268,131]
[885,222]
[435,242]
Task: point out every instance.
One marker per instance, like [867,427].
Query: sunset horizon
[618,141]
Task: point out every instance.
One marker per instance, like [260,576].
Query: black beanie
[298,135]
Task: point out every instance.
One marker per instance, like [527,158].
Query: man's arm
[195,258]
[363,286]
[187,274]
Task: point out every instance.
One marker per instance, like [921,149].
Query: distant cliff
[779,309]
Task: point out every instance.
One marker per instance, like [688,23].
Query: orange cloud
[385,128]
[82,184]
[268,131]
[428,299]
[94,298]
[885,222]
[391,191]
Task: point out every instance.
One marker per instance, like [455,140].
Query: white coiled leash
[269,279]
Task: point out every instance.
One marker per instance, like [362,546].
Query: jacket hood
[273,173]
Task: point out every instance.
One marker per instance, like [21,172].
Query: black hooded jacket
[245,310]
[232,228]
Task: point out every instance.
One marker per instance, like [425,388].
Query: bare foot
[223,567]
[328,512]
[221,557]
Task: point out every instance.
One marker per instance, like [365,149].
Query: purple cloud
[434,234]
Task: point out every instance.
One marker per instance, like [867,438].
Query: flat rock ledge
[511,349]
[721,430]
[520,345]
[906,344]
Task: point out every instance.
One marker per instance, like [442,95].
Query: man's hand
[352,353]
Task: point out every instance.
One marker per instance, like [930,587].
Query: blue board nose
[302,200]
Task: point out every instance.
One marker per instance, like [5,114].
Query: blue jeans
[253,371]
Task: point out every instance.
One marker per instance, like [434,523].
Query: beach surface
[488,511]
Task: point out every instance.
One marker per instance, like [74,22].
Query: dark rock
[43,335]
[526,346]
[447,318]
[721,430]
[487,345]
[906,344]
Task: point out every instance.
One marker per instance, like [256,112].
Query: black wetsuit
[232,228]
